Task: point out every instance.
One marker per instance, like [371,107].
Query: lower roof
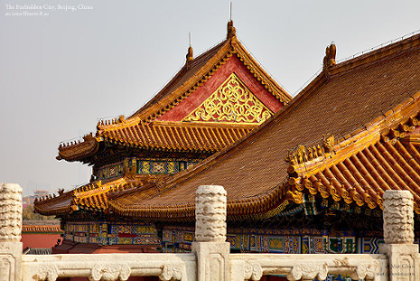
[92,196]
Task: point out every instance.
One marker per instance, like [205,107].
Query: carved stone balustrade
[110,267]
[210,259]
[309,267]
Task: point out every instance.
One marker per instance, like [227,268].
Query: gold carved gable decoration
[231,102]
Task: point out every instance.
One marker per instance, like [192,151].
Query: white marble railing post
[210,246]
[399,236]
[10,232]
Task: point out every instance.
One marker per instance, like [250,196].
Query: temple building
[310,179]
[215,100]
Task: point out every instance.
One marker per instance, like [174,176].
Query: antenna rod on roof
[231,31]
[189,39]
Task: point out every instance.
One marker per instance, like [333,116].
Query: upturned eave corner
[339,172]
[77,150]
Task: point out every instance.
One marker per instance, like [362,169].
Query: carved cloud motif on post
[10,212]
[398,217]
[210,214]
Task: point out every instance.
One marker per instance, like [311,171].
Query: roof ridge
[208,51]
[182,71]
[376,55]
[354,61]
[379,46]
[238,46]
[173,97]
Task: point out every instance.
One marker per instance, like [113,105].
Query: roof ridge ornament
[231,30]
[190,53]
[329,59]
[302,153]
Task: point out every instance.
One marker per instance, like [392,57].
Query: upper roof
[190,79]
[355,101]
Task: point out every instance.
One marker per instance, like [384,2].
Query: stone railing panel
[309,267]
[109,267]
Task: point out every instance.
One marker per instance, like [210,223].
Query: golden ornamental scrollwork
[231,102]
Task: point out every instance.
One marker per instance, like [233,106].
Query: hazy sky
[64,64]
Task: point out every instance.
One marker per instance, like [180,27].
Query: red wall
[39,240]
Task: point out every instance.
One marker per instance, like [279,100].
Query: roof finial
[230,11]
[231,30]
[189,55]
[329,59]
